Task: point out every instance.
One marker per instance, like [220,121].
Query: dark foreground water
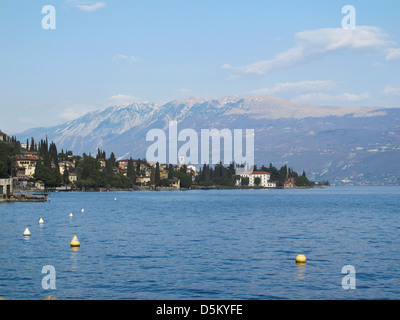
[237,244]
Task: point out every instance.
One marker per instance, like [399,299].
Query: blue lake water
[225,244]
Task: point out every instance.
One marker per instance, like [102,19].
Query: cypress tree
[157,179]
[131,172]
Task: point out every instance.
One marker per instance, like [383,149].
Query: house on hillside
[65,164]
[175,183]
[122,164]
[73,177]
[142,180]
[163,174]
[26,164]
[289,183]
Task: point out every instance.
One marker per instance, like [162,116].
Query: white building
[262,175]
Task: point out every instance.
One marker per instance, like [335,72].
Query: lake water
[220,244]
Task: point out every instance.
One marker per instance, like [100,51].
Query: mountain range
[344,145]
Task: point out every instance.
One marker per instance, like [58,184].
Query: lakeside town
[39,167]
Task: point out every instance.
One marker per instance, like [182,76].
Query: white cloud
[316,44]
[393,54]
[92,7]
[87,5]
[294,88]
[122,57]
[226,66]
[344,97]
[122,98]
[75,111]
[378,64]
[311,91]
[391,91]
[232,77]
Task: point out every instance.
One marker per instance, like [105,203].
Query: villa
[26,164]
[257,179]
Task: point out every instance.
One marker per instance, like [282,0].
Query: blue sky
[113,52]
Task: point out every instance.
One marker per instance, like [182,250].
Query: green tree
[186,179]
[170,171]
[121,181]
[65,177]
[131,172]
[152,176]
[302,181]
[157,175]
[7,153]
[50,176]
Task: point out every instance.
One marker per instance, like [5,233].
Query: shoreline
[147,188]
[25,197]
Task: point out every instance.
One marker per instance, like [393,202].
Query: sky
[104,53]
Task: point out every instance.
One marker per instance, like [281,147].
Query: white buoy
[41,221]
[27,233]
[82,211]
[71,215]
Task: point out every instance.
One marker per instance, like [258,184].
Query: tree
[66,176]
[50,176]
[157,175]
[170,171]
[186,179]
[152,176]
[245,181]
[121,181]
[33,145]
[302,181]
[112,160]
[6,154]
[257,181]
[131,172]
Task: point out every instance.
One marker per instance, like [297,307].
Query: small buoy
[75,242]
[71,215]
[115,199]
[27,233]
[82,211]
[41,221]
[301,259]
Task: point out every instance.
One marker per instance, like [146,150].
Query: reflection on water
[301,271]
[74,258]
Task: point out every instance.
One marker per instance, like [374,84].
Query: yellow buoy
[115,199]
[301,259]
[75,242]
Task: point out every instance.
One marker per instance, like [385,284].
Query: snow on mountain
[327,142]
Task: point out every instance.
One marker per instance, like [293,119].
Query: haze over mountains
[340,144]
